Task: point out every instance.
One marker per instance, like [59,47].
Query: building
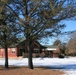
[21,50]
[37,50]
[12,52]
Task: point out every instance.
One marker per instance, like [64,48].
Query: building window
[13,50]
[36,50]
[8,49]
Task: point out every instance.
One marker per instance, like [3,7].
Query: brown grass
[27,71]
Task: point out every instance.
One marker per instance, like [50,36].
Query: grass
[27,71]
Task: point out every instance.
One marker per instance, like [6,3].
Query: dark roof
[50,46]
[23,42]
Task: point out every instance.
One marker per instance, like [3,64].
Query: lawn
[27,71]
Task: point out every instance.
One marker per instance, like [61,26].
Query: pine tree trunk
[30,63]
[6,58]
[6,51]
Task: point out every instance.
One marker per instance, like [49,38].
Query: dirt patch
[27,71]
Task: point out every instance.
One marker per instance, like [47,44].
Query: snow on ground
[68,65]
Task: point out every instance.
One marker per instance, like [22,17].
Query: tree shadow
[63,67]
[9,68]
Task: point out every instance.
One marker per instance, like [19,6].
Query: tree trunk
[30,63]
[6,51]
[6,58]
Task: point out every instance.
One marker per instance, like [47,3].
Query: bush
[61,56]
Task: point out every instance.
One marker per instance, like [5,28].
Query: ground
[56,65]
[27,71]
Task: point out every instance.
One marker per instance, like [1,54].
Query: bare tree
[72,44]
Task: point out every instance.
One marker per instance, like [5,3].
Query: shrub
[61,55]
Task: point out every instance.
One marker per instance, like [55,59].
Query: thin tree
[8,32]
[71,45]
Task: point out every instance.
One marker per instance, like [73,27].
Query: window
[8,49]
[36,50]
[13,50]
